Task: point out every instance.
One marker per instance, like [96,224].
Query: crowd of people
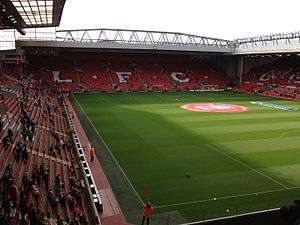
[32,199]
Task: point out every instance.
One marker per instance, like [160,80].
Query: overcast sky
[227,19]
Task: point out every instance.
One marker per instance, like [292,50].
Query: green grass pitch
[238,162]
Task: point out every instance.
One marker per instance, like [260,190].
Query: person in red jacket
[148,210]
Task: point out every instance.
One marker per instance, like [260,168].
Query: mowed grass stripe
[245,127]
[256,135]
[122,135]
[239,122]
[290,172]
[215,117]
[275,158]
[261,145]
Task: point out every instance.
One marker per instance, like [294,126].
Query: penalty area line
[110,153]
[226,197]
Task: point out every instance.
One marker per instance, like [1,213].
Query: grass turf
[238,162]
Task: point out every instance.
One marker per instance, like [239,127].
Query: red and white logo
[214,107]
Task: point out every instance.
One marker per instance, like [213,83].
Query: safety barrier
[92,188]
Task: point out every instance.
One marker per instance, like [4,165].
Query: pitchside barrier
[265,217]
[92,188]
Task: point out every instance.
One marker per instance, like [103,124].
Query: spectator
[77,211]
[45,177]
[51,151]
[24,152]
[7,206]
[8,171]
[18,151]
[53,201]
[59,181]
[70,200]
[23,204]
[34,175]
[35,192]
[6,141]
[26,182]
[10,135]
[76,193]
[39,174]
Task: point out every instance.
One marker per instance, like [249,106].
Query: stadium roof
[30,13]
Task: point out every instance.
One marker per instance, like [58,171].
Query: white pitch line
[247,166]
[226,197]
[113,157]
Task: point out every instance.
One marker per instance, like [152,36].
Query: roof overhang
[30,13]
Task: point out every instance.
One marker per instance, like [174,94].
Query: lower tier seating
[40,180]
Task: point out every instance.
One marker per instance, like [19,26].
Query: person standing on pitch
[148,210]
[92,154]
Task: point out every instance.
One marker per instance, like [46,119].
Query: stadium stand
[128,72]
[41,181]
[280,78]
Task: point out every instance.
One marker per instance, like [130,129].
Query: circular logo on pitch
[214,107]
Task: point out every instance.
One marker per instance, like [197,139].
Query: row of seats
[109,72]
[279,78]
[40,180]
[142,72]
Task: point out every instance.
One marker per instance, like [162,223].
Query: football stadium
[106,126]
